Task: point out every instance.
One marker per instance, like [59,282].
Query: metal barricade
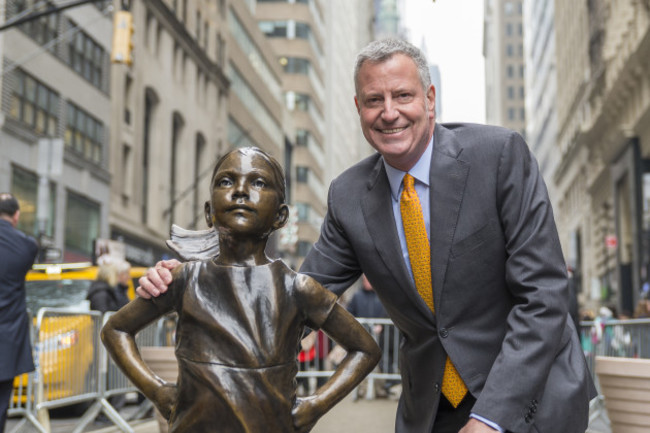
[21,401]
[66,357]
[114,384]
[321,355]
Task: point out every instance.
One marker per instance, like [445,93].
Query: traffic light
[122,38]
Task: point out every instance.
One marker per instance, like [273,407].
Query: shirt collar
[420,171]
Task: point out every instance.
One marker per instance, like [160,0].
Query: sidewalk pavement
[355,416]
[360,416]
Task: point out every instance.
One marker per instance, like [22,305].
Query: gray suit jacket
[499,282]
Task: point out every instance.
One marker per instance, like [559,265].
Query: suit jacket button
[444,332]
[436,388]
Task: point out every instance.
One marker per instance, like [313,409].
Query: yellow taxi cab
[65,352]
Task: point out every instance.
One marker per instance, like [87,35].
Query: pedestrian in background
[104,294]
[17,254]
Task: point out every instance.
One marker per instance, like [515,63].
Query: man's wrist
[486,421]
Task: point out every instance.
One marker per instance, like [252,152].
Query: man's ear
[282,217]
[356,102]
[15,218]
[208,214]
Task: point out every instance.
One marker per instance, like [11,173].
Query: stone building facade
[603,105]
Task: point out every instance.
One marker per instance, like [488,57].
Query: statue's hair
[277,169]
[382,50]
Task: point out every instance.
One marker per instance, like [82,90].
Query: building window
[303,211]
[511,92]
[303,31]
[509,29]
[522,92]
[509,50]
[87,57]
[297,101]
[84,134]
[304,248]
[511,71]
[81,224]
[274,29]
[302,174]
[295,65]
[509,8]
[511,114]
[24,186]
[302,137]
[44,29]
[522,114]
[34,104]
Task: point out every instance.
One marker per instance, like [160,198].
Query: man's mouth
[392,131]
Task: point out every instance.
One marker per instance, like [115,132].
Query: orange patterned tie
[417,243]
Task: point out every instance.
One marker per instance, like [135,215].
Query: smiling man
[453,227]
[481,294]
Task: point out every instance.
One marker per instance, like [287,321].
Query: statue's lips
[240,208]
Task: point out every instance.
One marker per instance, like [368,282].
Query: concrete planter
[625,384]
[162,361]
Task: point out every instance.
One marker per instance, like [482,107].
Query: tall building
[256,104]
[296,33]
[436,80]
[603,105]
[504,64]
[541,88]
[169,122]
[56,89]
[349,29]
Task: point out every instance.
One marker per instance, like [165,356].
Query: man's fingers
[142,293]
[169,264]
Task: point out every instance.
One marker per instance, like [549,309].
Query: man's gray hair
[382,50]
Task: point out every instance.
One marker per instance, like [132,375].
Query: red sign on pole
[611,241]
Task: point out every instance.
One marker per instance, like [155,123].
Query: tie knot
[409,182]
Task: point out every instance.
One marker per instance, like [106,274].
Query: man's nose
[389,113]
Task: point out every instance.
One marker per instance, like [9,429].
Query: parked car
[67,341]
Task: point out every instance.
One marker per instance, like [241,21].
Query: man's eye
[224,182]
[259,183]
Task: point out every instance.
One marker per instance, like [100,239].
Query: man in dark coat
[17,255]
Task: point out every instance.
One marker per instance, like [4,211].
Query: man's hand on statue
[157,279]
[304,414]
[476,426]
[165,399]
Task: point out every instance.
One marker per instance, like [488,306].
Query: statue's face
[245,196]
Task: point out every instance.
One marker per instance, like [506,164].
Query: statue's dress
[236,342]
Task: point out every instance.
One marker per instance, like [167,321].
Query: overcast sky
[453,33]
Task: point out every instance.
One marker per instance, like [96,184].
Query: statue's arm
[118,335]
[363,354]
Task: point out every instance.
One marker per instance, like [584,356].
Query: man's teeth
[392,131]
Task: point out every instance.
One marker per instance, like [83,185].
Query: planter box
[162,361]
[625,384]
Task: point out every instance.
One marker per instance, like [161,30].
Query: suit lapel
[448,179]
[377,211]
